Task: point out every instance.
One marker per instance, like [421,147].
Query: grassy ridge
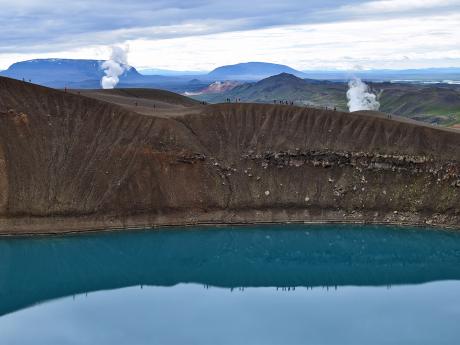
[438,104]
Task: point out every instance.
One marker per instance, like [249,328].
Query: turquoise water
[291,284]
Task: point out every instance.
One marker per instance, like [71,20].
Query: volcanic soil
[80,160]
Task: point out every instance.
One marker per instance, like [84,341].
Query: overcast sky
[204,34]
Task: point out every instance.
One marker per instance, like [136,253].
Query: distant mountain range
[86,74]
[61,71]
[75,73]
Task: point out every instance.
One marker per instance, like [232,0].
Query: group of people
[283,102]
[237,100]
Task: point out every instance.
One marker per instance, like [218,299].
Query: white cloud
[391,6]
[394,42]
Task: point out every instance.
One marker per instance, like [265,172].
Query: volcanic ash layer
[132,158]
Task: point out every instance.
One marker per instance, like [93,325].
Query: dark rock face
[68,162]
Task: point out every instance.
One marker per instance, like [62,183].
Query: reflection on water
[269,285]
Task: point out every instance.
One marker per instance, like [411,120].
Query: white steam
[360,97]
[114,67]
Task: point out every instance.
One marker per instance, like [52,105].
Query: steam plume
[114,67]
[360,97]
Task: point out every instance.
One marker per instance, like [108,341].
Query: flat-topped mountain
[71,161]
[251,71]
[49,71]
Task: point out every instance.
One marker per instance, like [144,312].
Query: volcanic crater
[79,160]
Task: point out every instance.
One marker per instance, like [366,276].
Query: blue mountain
[62,72]
[251,71]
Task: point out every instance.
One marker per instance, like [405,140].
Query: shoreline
[57,226]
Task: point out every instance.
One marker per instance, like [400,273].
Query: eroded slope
[71,162]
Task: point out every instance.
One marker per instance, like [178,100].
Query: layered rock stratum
[86,160]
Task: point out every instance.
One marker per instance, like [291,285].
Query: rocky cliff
[71,162]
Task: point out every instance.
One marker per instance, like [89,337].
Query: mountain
[290,88]
[87,74]
[59,72]
[439,103]
[250,71]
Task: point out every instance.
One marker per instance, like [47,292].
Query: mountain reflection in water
[33,270]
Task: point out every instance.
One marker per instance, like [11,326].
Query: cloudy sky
[203,34]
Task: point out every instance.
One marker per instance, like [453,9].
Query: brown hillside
[72,161]
[144,101]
